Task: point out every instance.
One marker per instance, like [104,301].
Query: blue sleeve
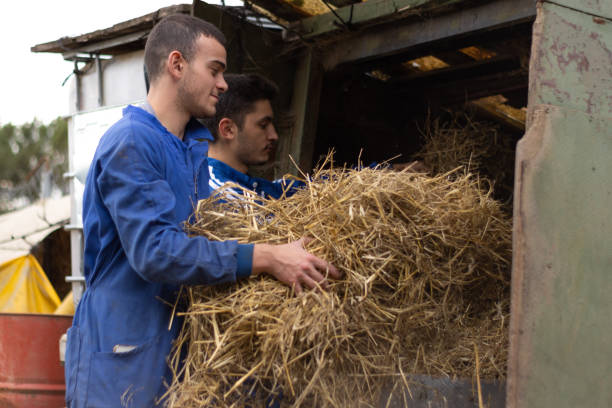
[141,204]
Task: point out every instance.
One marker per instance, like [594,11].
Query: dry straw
[475,145]
[426,275]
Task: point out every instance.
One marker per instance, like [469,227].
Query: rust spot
[559,94]
[589,103]
[566,54]
[599,20]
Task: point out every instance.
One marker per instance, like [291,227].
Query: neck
[164,101]
[216,151]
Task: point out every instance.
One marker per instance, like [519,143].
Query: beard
[250,154]
[191,101]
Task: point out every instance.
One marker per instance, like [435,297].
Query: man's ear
[175,64]
[227,129]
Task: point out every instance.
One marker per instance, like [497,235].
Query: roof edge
[146,22]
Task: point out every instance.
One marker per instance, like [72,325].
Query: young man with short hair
[148,170]
[244,135]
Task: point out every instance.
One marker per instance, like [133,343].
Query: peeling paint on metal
[578,59]
[561,337]
[566,55]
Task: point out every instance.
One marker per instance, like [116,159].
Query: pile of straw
[425,262]
[477,146]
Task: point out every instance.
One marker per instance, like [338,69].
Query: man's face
[203,81]
[256,141]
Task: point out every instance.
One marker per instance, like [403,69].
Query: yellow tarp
[67,306]
[24,287]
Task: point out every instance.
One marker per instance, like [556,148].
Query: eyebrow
[268,118]
[222,64]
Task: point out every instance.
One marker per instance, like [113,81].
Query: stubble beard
[191,103]
[245,154]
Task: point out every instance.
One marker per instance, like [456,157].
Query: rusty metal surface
[561,332]
[573,63]
[601,8]
[30,371]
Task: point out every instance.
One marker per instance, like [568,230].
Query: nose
[221,84]
[272,135]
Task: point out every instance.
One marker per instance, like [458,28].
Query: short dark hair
[176,32]
[239,99]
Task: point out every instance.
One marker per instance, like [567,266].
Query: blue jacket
[220,173]
[142,185]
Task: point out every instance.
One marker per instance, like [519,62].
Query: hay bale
[426,277]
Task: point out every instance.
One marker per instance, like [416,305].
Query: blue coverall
[142,185]
[221,173]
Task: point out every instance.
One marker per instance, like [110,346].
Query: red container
[31,374]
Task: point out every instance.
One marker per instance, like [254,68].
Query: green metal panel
[599,8]
[562,345]
[571,64]
[561,328]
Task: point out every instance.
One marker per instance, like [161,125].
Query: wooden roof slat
[359,13]
[136,25]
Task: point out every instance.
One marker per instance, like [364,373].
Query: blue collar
[195,132]
[229,173]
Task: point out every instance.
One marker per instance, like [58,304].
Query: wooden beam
[350,16]
[107,46]
[395,38]
[126,28]
[514,118]
[308,81]
[472,69]
[453,57]
[468,90]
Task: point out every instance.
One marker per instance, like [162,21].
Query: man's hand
[293,265]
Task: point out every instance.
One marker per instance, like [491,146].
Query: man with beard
[244,136]
[148,170]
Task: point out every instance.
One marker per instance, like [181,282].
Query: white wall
[123,83]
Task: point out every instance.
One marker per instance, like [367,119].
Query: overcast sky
[31,83]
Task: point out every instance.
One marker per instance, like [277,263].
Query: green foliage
[26,152]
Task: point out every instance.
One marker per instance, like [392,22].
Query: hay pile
[477,146]
[426,277]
